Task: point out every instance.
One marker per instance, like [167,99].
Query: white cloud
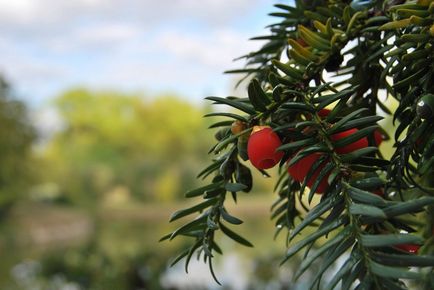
[107,33]
[102,36]
[217,48]
[26,16]
[182,45]
[27,70]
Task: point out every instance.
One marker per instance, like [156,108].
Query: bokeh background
[101,134]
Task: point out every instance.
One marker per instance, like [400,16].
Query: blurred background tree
[16,139]
[117,146]
[87,203]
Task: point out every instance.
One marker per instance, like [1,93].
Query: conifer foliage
[312,110]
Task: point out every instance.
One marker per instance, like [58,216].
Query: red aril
[301,168]
[261,148]
[410,248]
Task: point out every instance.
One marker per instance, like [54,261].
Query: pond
[54,247]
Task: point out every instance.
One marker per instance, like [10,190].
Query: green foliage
[16,138]
[123,144]
[341,56]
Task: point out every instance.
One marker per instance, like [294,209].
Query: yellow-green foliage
[111,139]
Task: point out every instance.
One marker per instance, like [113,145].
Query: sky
[154,47]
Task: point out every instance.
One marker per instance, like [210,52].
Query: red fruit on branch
[300,169]
[261,148]
[378,137]
[359,144]
[323,113]
[410,248]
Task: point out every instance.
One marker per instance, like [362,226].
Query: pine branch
[368,203]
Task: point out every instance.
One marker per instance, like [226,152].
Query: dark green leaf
[184,212]
[389,240]
[304,124]
[323,87]
[279,210]
[372,161]
[337,125]
[392,284]
[332,242]
[179,257]
[233,103]
[366,197]
[211,269]
[366,210]
[312,237]
[201,190]
[230,115]
[358,153]
[234,236]
[243,175]
[193,248]
[288,70]
[209,169]
[199,221]
[242,71]
[334,214]
[368,183]
[334,97]
[234,187]
[229,218]
[349,279]
[343,271]
[216,247]
[319,162]
[255,97]
[212,193]
[408,206]
[321,176]
[297,144]
[165,237]
[222,144]
[403,260]
[314,214]
[221,124]
[305,152]
[393,272]
[332,256]
[298,107]
[355,136]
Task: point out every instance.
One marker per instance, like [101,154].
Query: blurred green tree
[115,147]
[16,139]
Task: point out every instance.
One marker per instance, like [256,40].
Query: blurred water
[117,251]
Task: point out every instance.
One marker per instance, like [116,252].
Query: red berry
[378,137]
[324,113]
[261,148]
[300,169]
[410,248]
[359,144]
